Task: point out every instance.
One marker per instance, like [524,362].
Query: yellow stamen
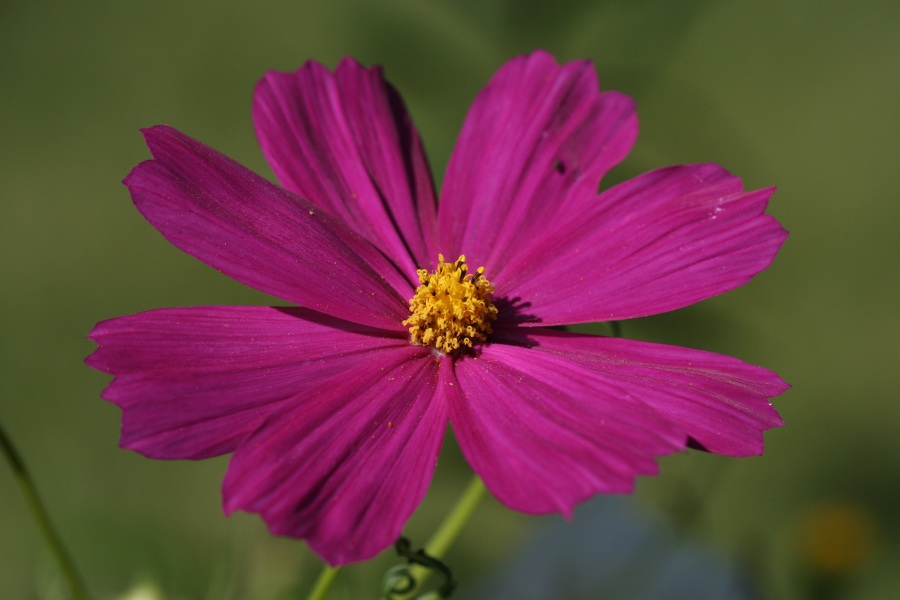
[451,309]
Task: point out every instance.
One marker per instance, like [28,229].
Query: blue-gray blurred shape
[610,550]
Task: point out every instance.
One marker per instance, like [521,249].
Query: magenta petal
[661,241]
[546,433]
[346,142]
[534,146]
[261,235]
[720,401]
[193,382]
[347,463]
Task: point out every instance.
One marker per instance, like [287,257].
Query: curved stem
[459,515]
[66,565]
[436,546]
[323,583]
[449,530]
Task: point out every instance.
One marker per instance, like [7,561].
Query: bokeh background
[802,94]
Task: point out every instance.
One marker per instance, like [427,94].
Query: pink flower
[335,417]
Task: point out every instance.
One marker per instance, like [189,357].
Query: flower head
[335,410]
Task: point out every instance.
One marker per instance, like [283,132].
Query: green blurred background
[801,94]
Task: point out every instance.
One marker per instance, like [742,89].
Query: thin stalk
[63,559]
[449,530]
[459,515]
[323,583]
[436,547]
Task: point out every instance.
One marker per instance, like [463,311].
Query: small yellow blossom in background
[837,537]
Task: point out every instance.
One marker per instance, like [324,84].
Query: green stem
[436,547]
[452,526]
[323,583]
[76,586]
[449,530]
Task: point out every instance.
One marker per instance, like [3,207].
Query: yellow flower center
[451,309]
